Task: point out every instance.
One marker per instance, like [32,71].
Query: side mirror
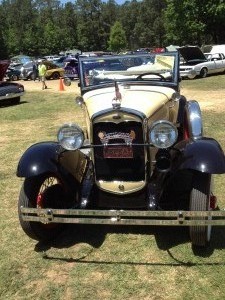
[67,81]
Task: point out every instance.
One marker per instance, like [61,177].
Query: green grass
[209,83]
[98,262]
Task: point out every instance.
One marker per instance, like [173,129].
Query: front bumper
[12,95]
[124,217]
[188,73]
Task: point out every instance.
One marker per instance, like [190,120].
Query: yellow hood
[145,99]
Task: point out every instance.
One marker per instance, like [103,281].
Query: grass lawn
[95,262]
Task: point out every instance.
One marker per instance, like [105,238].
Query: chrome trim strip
[122,109]
[123,217]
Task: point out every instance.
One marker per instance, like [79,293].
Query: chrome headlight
[21,88]
[163,134]
[70,136]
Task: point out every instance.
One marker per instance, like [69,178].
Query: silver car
[195,63]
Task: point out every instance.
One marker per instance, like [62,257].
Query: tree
[89,24]
[143,23]
[16,23]
[195,21]
[117,40]
[3,48]
[109,15]
[128,16]
[67,27]
[42,27]
[215,21]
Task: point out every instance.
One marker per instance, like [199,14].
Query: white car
[195,63]
[218,49]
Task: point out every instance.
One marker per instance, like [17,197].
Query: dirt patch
[53,86]
[210,100]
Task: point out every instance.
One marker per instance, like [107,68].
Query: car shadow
[166,238]
[75,234]
[170,237]
[7,103]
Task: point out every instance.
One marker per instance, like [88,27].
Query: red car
[9,91]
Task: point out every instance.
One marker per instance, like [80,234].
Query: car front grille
[119,162]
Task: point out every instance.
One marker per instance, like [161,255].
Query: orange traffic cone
[61,85]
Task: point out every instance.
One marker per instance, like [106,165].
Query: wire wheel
[200,201]
[43,191]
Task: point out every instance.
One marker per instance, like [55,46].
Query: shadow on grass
[8,103]
[75,234]
[166,238]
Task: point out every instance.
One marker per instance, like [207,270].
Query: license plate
[118,152]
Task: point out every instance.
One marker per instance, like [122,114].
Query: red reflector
[39,201]
[213,201]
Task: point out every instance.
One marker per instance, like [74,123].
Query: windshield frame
[174,83]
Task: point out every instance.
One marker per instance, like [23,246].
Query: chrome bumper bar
[124,217]
[11,96]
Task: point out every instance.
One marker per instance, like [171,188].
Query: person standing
[35,71]
[42,71]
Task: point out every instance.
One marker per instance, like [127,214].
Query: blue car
[12,74]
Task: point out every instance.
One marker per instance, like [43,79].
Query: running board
[124,217]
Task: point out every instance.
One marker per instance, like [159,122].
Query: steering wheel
[140,77]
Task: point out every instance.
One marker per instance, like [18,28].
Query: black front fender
[204,155]
[38,159]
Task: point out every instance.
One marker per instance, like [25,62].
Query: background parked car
[218,49]
[71,68]
[9,91]
[52,57]
[21,59]
[27,71]
[12,74]
[53,70]
[195,63]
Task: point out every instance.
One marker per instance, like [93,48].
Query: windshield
[149,68]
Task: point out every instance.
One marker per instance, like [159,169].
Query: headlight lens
[70,136]
[163,134]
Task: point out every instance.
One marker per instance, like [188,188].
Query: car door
[218,63]
[223,61]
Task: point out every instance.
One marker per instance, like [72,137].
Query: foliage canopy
[38,27]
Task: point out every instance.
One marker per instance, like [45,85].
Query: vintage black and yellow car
[142,159]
